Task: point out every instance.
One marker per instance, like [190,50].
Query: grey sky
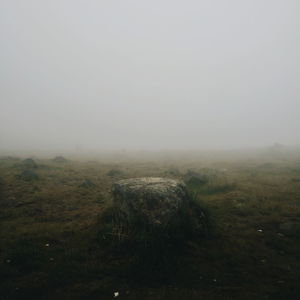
[111,74]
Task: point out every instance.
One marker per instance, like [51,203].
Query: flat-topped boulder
[154,199]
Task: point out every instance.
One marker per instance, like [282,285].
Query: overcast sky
[139,74]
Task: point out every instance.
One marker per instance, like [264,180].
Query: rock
[155,216]
[154,199]
[290,229]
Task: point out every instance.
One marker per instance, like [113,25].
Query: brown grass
[246,256]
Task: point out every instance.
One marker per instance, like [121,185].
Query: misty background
[101,75]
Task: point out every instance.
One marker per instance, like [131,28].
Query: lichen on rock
[155,199]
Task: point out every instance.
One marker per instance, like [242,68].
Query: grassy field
[51,247]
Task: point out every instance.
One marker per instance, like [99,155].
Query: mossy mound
[29,163]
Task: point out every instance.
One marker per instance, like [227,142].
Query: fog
[154,75]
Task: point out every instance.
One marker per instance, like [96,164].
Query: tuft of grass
[87,183]
[216,189]
[28,175]
[114,173]
[29,163]
[211,189]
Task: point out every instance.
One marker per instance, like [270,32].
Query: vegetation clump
[114,173]
[28,175]
[1,188]
[87,183]
[60,159]
[29,163]
[195,178]
[290,228]
[173,172]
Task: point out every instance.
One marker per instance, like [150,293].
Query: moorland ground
[51,248]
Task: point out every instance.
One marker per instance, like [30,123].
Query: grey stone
[155,199]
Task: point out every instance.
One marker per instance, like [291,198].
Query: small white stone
[47,245]
[259,230]
[116,294]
